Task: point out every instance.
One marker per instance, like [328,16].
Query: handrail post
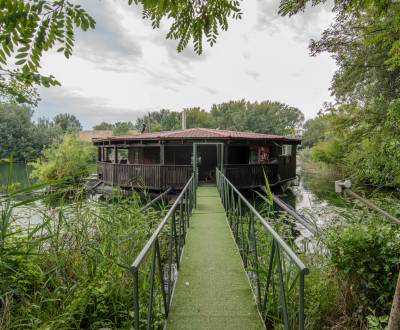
[301,301]
[242,209]
[135,297]
[195,192]
[226,195]
[152,248]
[170,257]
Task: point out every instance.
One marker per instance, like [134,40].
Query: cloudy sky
[124,68]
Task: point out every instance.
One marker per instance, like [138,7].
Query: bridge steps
[212,291]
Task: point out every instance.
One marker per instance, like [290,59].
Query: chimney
[183,119]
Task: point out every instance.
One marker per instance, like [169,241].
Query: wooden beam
[129,146]
[107,158]
[115,155]
[162,154]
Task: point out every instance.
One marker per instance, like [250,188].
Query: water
[314,198]
[315,192]
[17,173]
[19,176]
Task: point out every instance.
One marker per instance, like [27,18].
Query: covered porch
[159,177]
[160,160]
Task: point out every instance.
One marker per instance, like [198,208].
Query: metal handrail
[153,201]
[235,205]
[181,209]
[293,213]
[345,186]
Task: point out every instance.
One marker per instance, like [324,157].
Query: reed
[69,268]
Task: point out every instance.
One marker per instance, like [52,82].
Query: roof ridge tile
[202,133]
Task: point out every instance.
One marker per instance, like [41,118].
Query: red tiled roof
[201,133]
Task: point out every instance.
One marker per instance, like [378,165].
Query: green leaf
[21,55]
[20,62]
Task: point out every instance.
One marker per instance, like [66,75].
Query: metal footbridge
[215,263]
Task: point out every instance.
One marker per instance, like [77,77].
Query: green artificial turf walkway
[212,291]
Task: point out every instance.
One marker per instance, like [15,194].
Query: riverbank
[353,274]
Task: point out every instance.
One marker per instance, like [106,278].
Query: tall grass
[69,269]
[353,262]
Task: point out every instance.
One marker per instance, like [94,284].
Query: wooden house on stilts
[160,160]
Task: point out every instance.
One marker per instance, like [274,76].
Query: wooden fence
[144,176]
[175,176]
[250,175]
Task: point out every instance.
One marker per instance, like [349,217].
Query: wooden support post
[162,169]
[162,154]
[99,153]
[115,155]
[222,158]
[107,157]
[225,151]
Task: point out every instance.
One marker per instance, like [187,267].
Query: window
[286,150]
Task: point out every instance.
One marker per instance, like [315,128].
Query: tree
[22,138]
[103,126]
[261,117]
[15,129]
[197,117]
[229,115]
[44,132]
[364,119]
[121,128]
[67,123]
[273,117]
[29,28]
[314,130]
[162,120]
[68,159]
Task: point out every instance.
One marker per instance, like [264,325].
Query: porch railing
[155,268]
[276,273]
[154,176]
[250,175]
[144,175]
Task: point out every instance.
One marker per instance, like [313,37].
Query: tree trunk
[394,319]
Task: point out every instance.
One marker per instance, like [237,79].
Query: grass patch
[70,269]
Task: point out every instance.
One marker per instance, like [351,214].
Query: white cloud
[125,68]
[88,110]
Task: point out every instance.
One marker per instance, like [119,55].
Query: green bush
[329,151]
[68,160]
[376,160]
[354,264]
[365,251]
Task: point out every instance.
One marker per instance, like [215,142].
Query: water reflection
[15,173]
[316,200]
[315,190]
